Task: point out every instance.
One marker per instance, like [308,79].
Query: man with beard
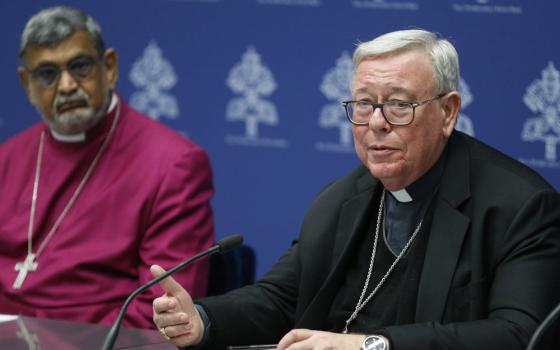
[97,192]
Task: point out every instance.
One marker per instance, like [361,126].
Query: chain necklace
[30,263]
[360,305]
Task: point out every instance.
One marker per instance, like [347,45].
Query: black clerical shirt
[395,302]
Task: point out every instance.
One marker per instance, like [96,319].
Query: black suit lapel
[355,213]
[447,234]
[448,229]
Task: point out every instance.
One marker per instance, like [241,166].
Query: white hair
[442,54]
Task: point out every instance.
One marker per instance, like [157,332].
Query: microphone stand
[541,329]
[222,245]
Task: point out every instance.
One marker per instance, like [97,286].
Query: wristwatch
[375,342]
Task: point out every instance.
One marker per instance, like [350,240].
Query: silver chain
[360,305]
[74,195]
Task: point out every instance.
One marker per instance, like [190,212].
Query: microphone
[541,331]
[223,245]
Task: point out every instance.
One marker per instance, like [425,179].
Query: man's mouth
[69,105]
[382,149]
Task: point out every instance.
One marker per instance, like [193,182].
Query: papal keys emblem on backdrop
[335,86]
[542,97]
[154,75]
[252,81]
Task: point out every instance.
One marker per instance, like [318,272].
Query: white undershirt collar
[81,137]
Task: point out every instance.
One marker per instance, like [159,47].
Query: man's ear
[111,62]
[451,103]
[24,78]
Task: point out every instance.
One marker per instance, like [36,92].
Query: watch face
[373,343]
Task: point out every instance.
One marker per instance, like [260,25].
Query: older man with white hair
[436,241]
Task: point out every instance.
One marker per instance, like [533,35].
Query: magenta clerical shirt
[147,202]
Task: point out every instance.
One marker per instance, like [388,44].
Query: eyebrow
[398,89]
[392,90]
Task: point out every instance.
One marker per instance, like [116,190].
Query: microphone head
[229,242]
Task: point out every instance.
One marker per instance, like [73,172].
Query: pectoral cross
[24,267]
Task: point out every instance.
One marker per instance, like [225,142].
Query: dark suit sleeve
[524,288]
[258,314]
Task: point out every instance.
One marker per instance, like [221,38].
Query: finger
[294,336]
[164,304]
[169,285]
[171,319]
[179,330]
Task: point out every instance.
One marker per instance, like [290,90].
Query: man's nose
[377,121]
[66,83]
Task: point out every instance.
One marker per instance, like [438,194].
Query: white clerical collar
[425,185]
[81,137]
[402,196]
[68,138]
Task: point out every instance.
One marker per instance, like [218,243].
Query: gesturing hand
[175,314]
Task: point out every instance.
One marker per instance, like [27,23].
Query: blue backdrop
[257,83]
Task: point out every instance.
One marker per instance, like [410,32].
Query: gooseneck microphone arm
[542,329]
[222,246]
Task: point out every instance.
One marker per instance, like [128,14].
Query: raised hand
[174,313]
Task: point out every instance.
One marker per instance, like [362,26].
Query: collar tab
[402,195]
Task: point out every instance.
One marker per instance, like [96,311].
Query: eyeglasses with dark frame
[80,68]
[394,112]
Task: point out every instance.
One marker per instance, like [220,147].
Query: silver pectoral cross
[29,264]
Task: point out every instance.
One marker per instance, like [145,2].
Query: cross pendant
[29,264]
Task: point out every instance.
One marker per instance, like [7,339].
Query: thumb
[169,285]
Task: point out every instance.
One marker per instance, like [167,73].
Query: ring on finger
[164,334]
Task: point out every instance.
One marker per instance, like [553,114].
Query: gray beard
[77,120]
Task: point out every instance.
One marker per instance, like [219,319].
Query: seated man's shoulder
[160,138]
[21,140]
[491,167]
[349,185]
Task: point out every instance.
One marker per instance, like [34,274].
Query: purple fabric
[147,202]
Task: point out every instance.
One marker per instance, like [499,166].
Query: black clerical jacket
[489,277]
